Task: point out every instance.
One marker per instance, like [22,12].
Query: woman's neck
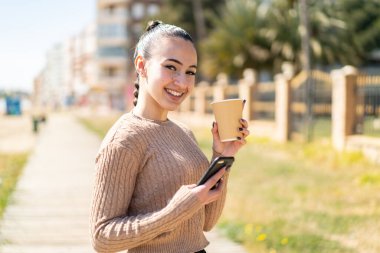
[150,113]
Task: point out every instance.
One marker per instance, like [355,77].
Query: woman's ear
[140,66]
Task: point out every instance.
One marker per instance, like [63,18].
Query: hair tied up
[136,91]
[152,24]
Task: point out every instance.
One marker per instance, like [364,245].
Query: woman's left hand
[229,148]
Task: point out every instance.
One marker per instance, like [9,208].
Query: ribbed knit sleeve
[112,229]
[213,211]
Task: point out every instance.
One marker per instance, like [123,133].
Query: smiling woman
[145,198]
[172,68]
[171,77]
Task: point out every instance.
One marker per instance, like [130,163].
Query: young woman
[145,198]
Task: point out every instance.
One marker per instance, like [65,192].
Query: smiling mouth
[174,93]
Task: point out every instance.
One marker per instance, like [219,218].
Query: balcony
[120,62]
[105,18]
[112,83]
[112,34]
[118,15]
[112,41]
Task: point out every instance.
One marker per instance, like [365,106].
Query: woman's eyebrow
[180,63]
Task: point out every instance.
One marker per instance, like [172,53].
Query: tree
[330,36]
[363,21]
[237,41]
[262,34]
[191,14]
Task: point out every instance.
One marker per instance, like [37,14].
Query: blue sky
[29,28]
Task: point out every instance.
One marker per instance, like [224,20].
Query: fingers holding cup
[244,132]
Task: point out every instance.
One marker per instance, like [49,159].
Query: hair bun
[152,24]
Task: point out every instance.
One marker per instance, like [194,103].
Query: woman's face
[170,73]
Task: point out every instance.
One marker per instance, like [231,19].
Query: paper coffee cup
[228,114]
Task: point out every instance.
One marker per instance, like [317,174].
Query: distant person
[145,198]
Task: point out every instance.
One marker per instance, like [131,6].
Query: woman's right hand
[206,192]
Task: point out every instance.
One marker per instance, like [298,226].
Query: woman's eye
[191,73]
[171,67]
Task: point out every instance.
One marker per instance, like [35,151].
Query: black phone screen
[218,163]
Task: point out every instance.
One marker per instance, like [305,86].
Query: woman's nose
[180,79]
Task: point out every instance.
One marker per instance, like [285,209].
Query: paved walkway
[50,208]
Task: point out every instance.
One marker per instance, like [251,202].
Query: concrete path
[50,208]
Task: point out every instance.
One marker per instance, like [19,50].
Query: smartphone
[218,163]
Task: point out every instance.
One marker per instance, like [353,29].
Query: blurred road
[50,208]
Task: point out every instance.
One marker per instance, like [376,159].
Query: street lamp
[306,64]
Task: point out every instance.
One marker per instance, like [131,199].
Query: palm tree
[282,33]
[262,34]
[328,36]
[363,22]
[196,21]
[236,41]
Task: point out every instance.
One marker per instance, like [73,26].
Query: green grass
[11,166]
[322,127]
[301,198]
[298,198]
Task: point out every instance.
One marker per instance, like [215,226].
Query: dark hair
[154,31]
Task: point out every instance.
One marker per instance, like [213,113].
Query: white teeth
[174,93]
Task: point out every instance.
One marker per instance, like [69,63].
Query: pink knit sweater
[140,203]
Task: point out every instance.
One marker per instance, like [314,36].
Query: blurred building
[94,67]
[119,24]
[69,73]
[49,83]
[80,66]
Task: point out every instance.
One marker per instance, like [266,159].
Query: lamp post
[306,64]
[199,19]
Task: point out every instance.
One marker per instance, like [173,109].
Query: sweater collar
[159,122]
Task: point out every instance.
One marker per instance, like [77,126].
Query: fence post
[344,99]
[247,89]
[282,108]
[200,98]
[220,87]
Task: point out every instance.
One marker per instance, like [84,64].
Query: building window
[112,52]
[110,71]
[138,10]
[111,9]
[114,12]
[112,31]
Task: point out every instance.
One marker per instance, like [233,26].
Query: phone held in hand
[216,165]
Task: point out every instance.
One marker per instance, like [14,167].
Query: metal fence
[368,105]
[311,112]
